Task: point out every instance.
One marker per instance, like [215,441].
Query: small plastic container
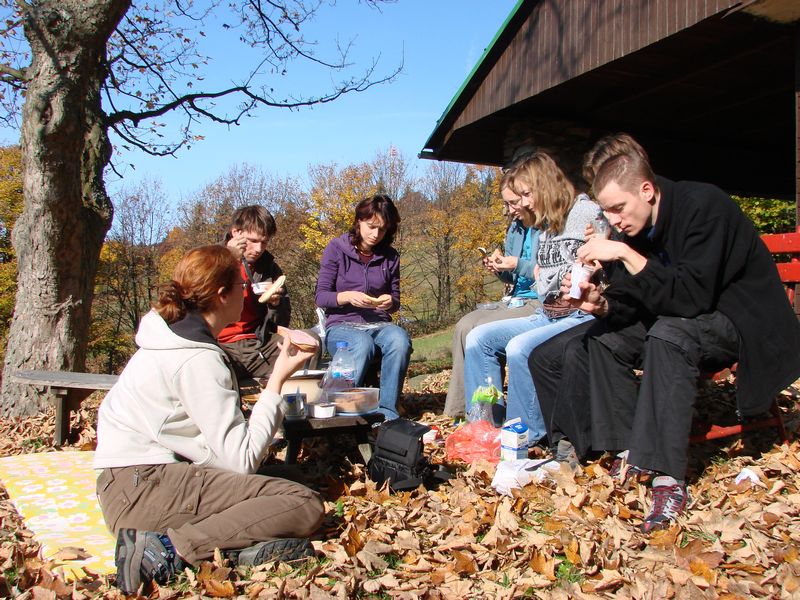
[356,401]
[322,410]
[261,286]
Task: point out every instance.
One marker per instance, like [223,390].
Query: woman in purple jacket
[359,287]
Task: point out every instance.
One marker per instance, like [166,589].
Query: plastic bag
[480,407]
[474,441]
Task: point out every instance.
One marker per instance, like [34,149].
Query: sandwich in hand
[270,291]
[299,339]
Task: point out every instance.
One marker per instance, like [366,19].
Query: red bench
[787,244]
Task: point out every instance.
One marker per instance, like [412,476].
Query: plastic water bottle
[342,370]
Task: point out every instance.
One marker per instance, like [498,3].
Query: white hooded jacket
[176,400]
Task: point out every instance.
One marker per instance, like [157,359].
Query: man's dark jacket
[704,255]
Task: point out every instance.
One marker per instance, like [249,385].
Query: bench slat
[782,243]
[789,272]
[66,379]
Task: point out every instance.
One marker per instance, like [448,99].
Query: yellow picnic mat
[55,494]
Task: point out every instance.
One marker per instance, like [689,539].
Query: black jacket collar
[193,327]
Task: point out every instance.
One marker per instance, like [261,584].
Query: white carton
[514,440]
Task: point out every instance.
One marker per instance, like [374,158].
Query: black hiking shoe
[669,501]
[282,549]
[140,557]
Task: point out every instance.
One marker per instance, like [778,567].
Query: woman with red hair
[177,457]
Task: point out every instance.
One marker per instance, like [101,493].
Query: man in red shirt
[252,342]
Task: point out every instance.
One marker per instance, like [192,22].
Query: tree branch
[144,148]
[136,117]
[255,98]
[12,73]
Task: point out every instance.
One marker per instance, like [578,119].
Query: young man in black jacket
[691,288]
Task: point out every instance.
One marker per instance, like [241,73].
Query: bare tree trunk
[67,211]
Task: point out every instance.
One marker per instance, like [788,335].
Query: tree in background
[768,215]
[334,194]
[10,209]
[205,215]
[85,67]
[130,271]
[458,209]
[481,224]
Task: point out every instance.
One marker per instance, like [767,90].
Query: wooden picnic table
[296,430]
[70,388]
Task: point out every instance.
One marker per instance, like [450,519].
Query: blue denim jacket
[515,237]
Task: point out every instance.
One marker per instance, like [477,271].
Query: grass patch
[435,346]
[35,443]
[566,572]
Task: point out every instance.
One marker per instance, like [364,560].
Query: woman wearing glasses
[515,267]
[563,218]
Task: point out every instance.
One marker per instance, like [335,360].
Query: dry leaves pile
[575,536]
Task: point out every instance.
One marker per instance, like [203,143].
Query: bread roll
[276,285]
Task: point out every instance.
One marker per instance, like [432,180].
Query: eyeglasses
[244,284]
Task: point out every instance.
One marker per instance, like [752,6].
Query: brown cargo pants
[202,509]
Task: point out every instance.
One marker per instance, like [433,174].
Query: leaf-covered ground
[572,536]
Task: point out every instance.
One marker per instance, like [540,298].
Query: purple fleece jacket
[341,270]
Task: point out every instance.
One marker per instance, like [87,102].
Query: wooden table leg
[62,416]
[67,400]
[293,445]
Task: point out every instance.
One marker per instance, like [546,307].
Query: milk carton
[514,440]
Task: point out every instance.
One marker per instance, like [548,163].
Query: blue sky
[439,42]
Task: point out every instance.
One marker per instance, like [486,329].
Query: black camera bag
[398,456]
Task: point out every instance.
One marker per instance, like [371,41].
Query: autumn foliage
[447,212]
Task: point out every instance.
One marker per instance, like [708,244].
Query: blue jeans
[513,340]
[395,346]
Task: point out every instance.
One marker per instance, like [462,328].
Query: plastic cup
[261,287]
[601,228]
[580,272]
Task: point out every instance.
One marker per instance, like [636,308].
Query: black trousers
[590,394]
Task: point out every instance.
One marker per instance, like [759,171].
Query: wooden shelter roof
[707,86]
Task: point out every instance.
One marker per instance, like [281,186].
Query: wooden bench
[780,244]
[70,389]
[787,244]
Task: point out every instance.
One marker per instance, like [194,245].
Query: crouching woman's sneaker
[141,557]
[670,498]
[275,549]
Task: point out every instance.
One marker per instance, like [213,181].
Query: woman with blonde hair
[563,219]
[515,268]
[177,458]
